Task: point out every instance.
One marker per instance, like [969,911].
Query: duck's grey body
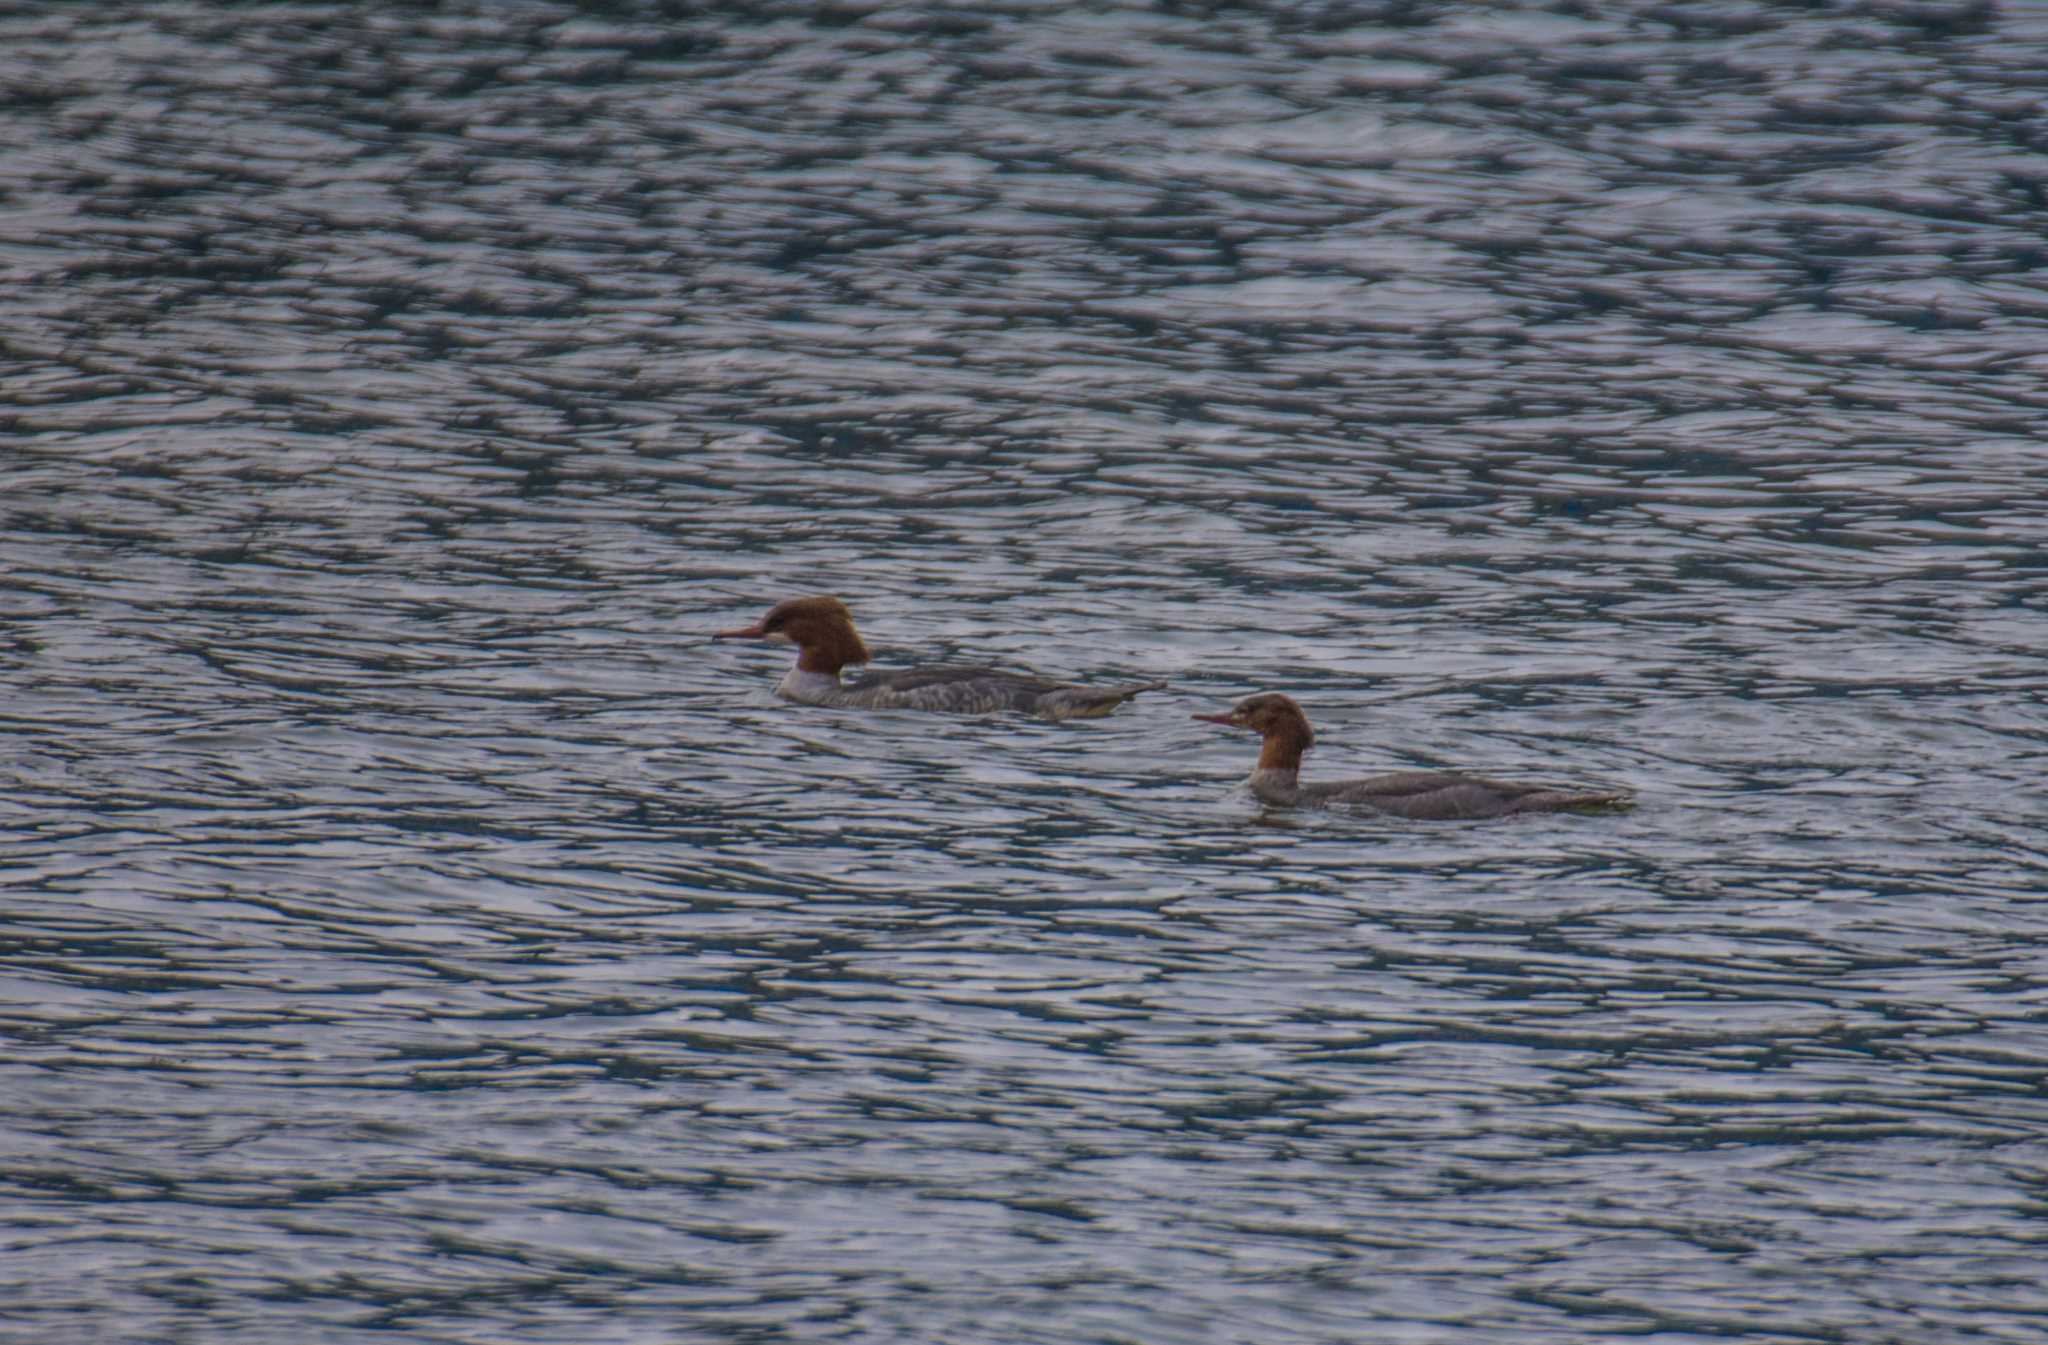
[1427,796]
[960,691]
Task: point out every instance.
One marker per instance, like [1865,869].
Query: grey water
[413,928]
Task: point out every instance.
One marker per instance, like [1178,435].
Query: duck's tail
[1090,702]
[1573,800]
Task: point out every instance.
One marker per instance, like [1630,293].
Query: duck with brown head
[822,630]
[1423,795]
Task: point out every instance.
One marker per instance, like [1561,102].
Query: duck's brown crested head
[819,626]
[1278,720]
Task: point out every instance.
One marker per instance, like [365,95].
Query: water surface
[414,928]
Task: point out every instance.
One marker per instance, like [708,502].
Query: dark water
[414,930]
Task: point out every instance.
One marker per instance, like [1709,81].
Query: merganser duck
[822,630]
[1423,795]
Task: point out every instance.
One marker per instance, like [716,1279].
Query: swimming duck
[1424,795]
[822,630]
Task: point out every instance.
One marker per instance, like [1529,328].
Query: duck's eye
[774,623]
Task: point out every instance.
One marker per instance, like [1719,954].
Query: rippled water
[414,927]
